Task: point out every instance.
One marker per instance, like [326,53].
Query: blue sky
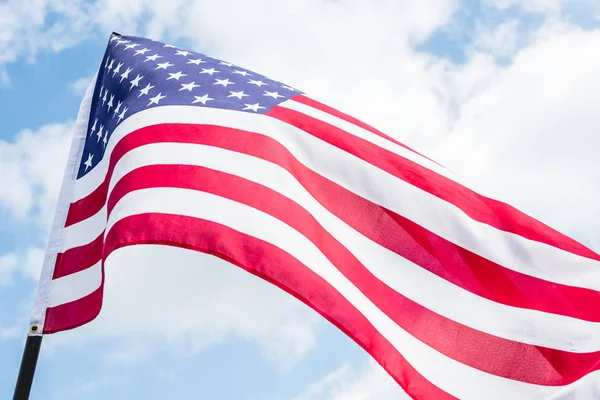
[502,91]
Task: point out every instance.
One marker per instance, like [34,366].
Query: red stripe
[502,357]
[348,118]
[489,211]
[91,204]
[74,314]
[445,259]
[279,268]
[79,258]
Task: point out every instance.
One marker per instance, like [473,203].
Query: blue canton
[137,74]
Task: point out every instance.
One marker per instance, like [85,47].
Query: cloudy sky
[505,92]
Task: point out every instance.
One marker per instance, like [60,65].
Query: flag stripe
[269,262]
[404,276]
[392,231]
[492,212]
[74,314]
[503,357]
[429,362]
[303,99]
[75,286]
[79,258]
[542,261]
[91,204]
[85,231]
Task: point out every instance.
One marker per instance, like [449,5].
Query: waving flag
[455,294]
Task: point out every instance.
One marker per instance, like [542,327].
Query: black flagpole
[28,364]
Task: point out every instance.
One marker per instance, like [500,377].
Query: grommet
[35,328]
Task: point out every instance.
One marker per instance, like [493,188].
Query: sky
[504,92]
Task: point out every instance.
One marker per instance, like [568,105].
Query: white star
[122,115]
[105,139]
[257,83]
[197,61]
[136,81]
[253,107]
[117,108]
[111,64]
[156,99]
[182,53]
[188,86]
[88,163]
[176,75]
[142,51]
[121,42]
[101,90]
[118,69]
[110,102]
[274,95]
[164,65]
[99,134]
[288,88]
[93,127]
[209,71]
[242,73]
[107,61]
[131,46]
[125,74]
[225,63]
[223,82]
[145,90]
[202,99]
[104,98]
[152,57]
[239,94]
[115,37]
[169,45]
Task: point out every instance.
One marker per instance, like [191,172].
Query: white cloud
[32,166]
[28,27]
[79,86]
[78,390]
[13,332]
[544,6]
[8,263]
[531,135]
[32,262]
[352,54]
[323,387]
[369,382]
[500,41]
[28,264]
[530,5]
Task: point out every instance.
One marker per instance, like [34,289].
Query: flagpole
[28,364]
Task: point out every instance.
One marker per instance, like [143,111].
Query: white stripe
[430,363]
[381,142]
[369,136]
[507,249]
[84,232]
[586,388]
[75,286]
[518,324]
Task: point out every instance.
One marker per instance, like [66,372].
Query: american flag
[455,294]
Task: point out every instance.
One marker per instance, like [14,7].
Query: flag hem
[55,240]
